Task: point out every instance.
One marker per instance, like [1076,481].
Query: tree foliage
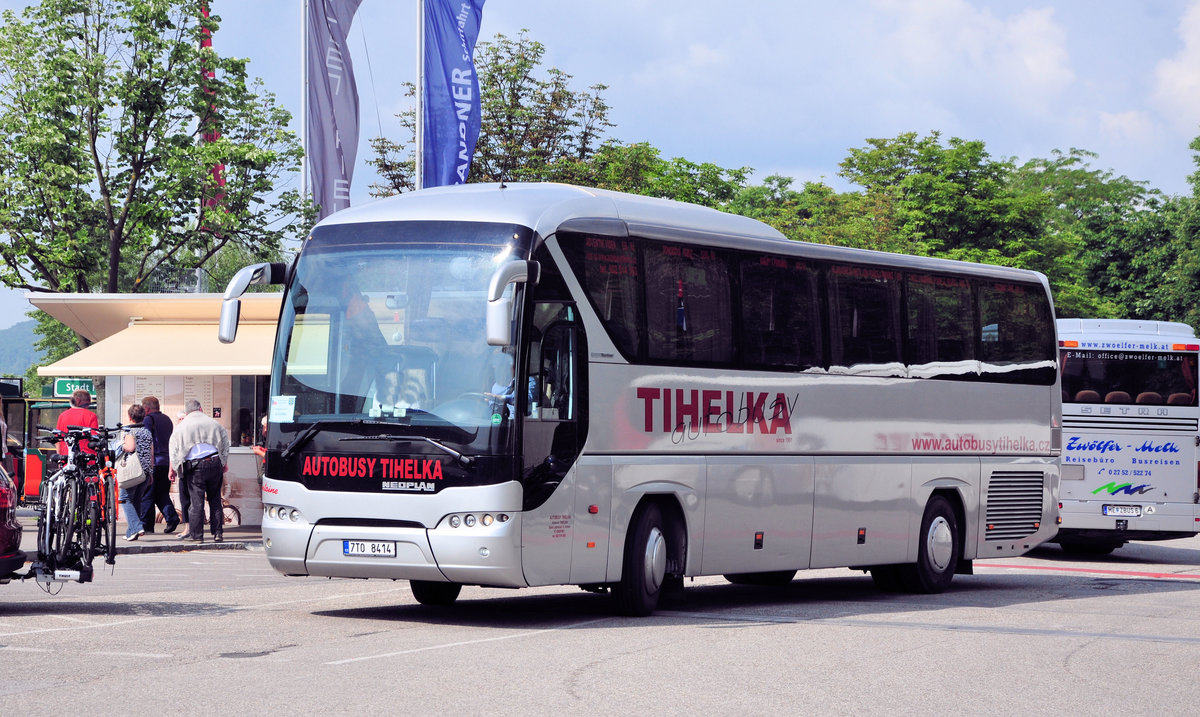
[104,182]
[535,127]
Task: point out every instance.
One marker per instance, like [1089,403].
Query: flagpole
[304,100]
[418,180]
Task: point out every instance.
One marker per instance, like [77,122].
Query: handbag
[129,472]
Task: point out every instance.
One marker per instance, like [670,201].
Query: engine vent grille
[1014,504]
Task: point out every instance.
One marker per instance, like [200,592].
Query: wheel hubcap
[939,544]
[655,562]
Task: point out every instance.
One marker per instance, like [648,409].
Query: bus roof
[548,207]
[1124,327]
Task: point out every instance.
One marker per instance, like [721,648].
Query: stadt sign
[64,387]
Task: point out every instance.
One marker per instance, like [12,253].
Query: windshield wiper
[309,432]
[464,460]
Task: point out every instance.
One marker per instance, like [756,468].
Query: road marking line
[932,626]
[316,599]
[84,627]
[443,646]
[1099,571]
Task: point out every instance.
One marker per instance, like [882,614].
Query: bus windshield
[385,324]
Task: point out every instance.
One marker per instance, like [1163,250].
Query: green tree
[106,175]
[114,128]
[533,128]
[1178,274]
[954,200]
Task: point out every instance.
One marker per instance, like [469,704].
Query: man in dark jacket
[160,427]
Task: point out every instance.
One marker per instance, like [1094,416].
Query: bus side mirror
[231,307]
[499,306]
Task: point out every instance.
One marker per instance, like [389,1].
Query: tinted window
[609,271]
[941,326]
[864,318]
[689,315]
[1017,326]
[1128,377]
[780,310]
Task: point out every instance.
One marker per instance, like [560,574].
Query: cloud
[1134,127]
[1177,79]
[945,47]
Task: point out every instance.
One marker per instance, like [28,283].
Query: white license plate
[1124,511]
[369,548]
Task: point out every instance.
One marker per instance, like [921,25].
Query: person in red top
[78,415]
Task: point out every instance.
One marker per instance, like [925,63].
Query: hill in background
[17,353]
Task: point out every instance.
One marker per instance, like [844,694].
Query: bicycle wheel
[45,523]
[64,528]
[89,523]
[231,515]
[110,520]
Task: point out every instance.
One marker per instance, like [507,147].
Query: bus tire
[432,593]
[938,550]
[774,578]
[644,565]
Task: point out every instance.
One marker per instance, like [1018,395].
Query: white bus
[519,385]
[1130,420]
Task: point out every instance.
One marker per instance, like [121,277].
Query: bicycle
[78,518]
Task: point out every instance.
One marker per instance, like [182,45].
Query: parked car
[12,560]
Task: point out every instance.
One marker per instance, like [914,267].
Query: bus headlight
[282,512]
[471,520]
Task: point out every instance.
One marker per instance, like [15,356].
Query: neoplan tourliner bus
[1130,426]
[519,385]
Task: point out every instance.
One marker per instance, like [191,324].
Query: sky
[789,86]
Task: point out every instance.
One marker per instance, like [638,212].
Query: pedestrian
[200,453]
[185,493]
[78,415]
[139,446]
[160,428]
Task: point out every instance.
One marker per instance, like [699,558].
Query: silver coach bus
[544,384]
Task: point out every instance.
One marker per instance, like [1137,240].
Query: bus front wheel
[645,564]
[430,593]
[938,552]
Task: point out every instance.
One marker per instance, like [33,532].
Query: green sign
[64,387]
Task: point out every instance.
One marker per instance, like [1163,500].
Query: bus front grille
[1014,504]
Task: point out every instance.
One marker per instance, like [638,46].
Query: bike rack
[81,575]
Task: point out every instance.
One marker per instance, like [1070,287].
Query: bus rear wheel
[430,593]
[938,552]
[645,564]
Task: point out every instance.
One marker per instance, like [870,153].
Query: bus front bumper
[477,555]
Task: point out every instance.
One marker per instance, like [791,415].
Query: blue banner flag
[332,103]
[451,121]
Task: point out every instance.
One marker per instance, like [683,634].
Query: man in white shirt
[200,451]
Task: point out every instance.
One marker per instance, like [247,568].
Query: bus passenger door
[550,444]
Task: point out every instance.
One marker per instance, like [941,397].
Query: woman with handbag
[136,495]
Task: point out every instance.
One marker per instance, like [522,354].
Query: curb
[188,547]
